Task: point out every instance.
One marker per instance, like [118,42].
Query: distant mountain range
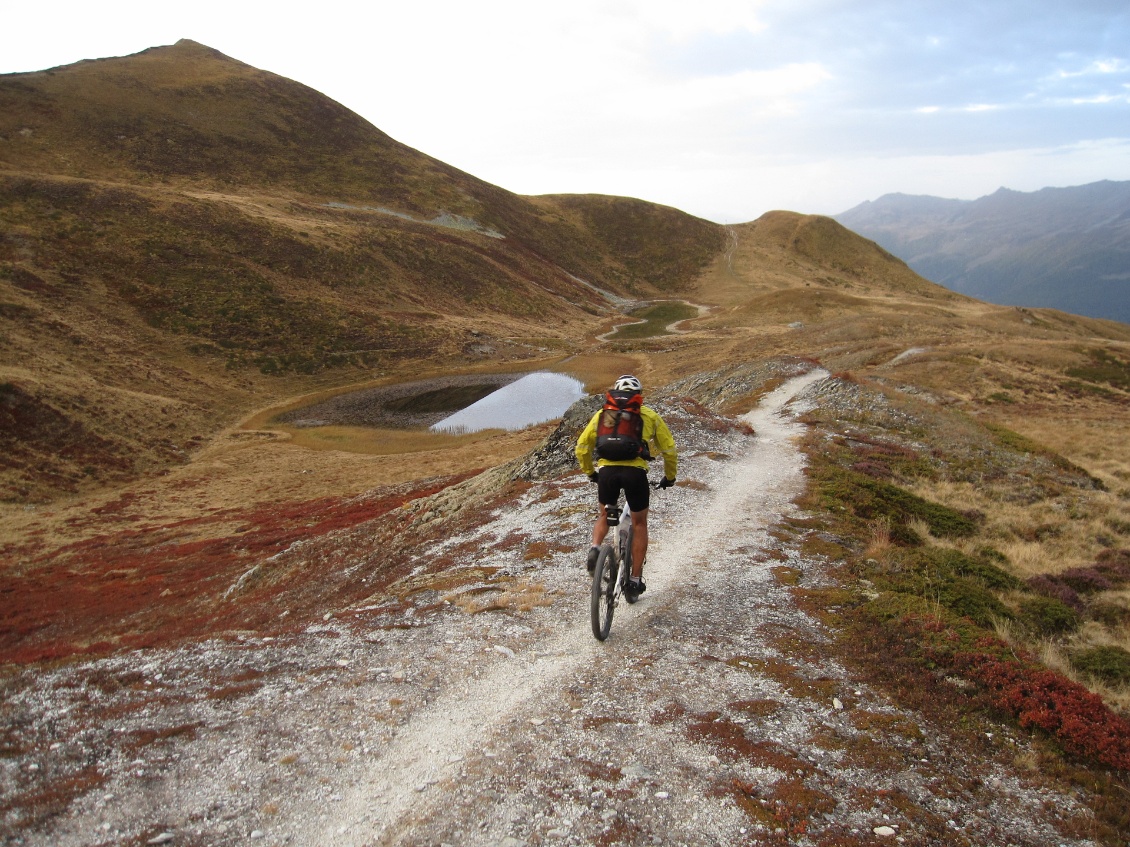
[1065,248]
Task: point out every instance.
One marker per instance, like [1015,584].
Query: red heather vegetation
[1045,700]
[145,587]
[1022,689]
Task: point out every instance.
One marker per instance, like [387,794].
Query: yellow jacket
[655,434]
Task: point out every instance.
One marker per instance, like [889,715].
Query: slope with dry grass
[1014,416]
[186,237]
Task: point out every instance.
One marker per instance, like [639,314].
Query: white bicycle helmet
[627,383]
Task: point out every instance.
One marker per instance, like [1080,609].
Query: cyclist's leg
[600,528]
[608,493]
[606,496]
[639,541]
[639,499]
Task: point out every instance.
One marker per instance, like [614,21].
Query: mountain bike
[613,567]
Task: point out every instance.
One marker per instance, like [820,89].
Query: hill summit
[189,115]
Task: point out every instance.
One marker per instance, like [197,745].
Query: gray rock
[555,456]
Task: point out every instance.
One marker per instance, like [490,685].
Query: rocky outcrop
[555,455]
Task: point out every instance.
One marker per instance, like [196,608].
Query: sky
[722,108]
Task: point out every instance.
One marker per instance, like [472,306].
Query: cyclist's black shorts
[633,481]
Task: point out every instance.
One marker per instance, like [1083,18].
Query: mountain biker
[631,476]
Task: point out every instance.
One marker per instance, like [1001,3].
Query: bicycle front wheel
[603,593]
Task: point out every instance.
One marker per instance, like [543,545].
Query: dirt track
[715,714]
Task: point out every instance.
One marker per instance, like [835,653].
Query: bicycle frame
[612,567]
[620,531]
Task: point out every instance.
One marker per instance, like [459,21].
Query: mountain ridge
[1065,248]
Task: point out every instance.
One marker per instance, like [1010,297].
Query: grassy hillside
[657,243]
[181,230]
[187,116]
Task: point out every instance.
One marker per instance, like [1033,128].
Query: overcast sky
[723,108]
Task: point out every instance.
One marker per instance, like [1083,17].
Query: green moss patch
[656,320]
[864,499]
[1109,663]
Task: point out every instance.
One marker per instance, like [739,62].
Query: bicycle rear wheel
[603,601]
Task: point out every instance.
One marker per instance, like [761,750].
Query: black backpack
[619,431]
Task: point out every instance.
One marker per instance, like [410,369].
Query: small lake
[533,399]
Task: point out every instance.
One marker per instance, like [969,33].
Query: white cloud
[1099,99]
[721,98]
[681,20]
[1099,67]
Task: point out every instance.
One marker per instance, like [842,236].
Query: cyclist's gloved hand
[666,483]
[594,477]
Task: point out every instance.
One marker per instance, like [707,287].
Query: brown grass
[1048,536]
[520,595]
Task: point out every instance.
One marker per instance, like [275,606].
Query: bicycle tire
[603,596]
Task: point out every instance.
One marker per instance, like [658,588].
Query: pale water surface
[534,398]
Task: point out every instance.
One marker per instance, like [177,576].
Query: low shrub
[985,568]
[1109,664]
[893,605]
[868,499]
[1042,615]
[1012,683]
[1085,580]
[1047,586]
[1104,367]
[962,585]
[1112,615]
[969,599]
[1043,699]
[877,470]
[1115,566]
